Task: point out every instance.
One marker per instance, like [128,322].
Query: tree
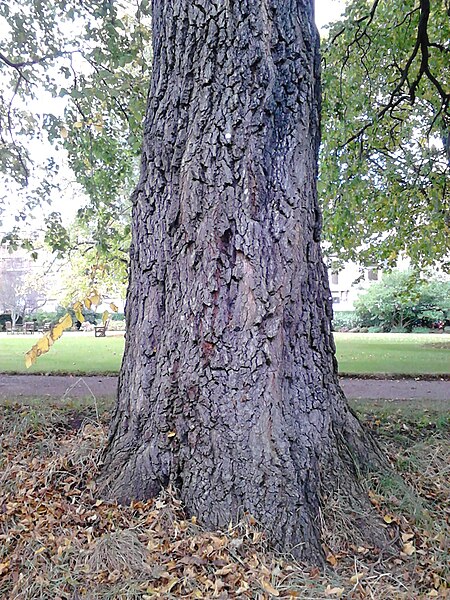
[88,60]
[21,293]
[385,159]
[228,388]
[404,300]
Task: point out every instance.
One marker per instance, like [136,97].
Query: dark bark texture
[228,388]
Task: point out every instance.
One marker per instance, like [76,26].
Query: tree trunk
[228,387]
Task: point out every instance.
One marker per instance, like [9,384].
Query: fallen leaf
[335,591]
[268,587]
[409,548]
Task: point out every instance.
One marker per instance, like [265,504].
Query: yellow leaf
[356,577]
[105,316]
[79,315]
[171,434]
[95,298]
[87,303]
[331,559]
[42,549]
[77,306]
[98,126]
[388,518]
[43,345]
[64,133]
[30,358]
[78,124]
[66,321]
[4,566]
[268,587]
[113,307]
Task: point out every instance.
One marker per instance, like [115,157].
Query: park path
[73,386]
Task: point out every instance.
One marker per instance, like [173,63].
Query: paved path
[55,386]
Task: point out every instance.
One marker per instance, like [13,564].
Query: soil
[72,386]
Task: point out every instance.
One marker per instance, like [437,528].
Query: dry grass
[58,541]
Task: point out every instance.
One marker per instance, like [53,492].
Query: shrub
[402,300]
[345,319]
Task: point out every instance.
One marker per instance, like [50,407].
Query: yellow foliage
[64,323]
[44,344]
[113,307]
[77,309]
[95,298]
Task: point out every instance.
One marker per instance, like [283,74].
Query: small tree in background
[21,292]
[402,300]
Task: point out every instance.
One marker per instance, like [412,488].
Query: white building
[349,282]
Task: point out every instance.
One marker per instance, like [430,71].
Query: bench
[100,330]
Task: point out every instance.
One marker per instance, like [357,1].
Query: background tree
[22,290]
[89,62]
[404,300]
[229,388]
[384,182]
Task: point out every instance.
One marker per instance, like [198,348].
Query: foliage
[88,265]
[60,541]
[385,151]
[345,319]
[91,58]
[403,300]
[386,146]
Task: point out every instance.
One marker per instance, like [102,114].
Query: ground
[59,540]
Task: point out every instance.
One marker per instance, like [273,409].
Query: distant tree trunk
[228,387]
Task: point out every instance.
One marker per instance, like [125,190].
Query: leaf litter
[59,540]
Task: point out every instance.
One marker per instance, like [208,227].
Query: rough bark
[228,387]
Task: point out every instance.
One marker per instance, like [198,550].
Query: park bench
[100,330]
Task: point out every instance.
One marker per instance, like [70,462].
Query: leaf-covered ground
[58,540]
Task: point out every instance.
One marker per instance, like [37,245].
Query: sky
[328,10]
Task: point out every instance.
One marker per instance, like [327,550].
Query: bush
[375,329]
[421,330]
[345,319]
[118,316]
[402,301]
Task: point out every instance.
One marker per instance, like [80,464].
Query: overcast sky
[328,10]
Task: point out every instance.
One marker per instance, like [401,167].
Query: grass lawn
[390,353]
[378,353]
[72,353]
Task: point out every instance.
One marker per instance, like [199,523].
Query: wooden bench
[100,330]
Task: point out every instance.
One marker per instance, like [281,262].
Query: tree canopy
[385,152]
[74,75]
[385,125]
